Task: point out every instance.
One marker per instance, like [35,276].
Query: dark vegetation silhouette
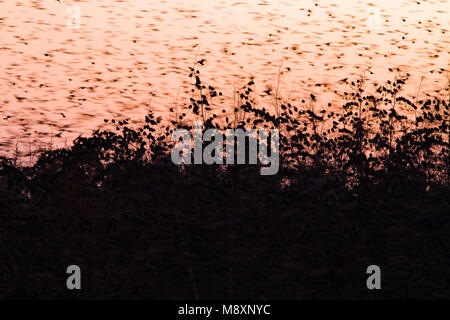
[363,184]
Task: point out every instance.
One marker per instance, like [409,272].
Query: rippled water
[59,80]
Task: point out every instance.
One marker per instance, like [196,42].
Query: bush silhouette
[365,183]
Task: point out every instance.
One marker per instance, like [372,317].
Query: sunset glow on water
[60,79]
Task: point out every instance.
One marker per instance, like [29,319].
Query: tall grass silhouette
[360,184]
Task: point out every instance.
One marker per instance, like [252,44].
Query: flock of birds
[128,56]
